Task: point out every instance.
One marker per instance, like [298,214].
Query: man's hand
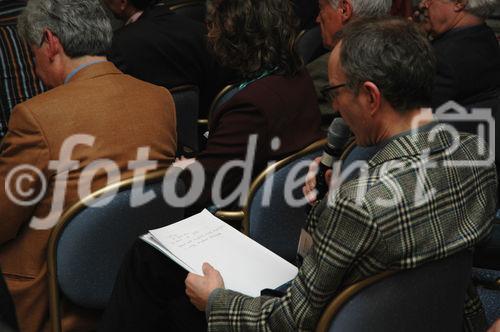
[199,288]
[309,188]
[495,327]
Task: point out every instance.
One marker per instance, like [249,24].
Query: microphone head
[338,134]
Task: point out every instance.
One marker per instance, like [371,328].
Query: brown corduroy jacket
[120,114]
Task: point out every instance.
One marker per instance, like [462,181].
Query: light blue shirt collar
[80,67]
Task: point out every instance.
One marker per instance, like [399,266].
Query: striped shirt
[18,81]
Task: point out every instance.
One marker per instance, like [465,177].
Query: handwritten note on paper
[245,265]
[191,240]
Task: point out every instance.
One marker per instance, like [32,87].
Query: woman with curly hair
[272,103]
[277,99]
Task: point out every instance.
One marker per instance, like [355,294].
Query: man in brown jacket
[94,116]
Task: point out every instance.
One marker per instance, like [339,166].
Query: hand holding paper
[199,288]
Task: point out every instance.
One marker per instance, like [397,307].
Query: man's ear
[54,46]
[345,10]
[373,97]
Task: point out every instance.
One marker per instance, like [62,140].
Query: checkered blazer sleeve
[344,233]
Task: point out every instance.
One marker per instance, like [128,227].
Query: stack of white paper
[245,265]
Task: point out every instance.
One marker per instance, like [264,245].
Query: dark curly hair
[252,36]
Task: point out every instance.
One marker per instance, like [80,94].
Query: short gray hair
[394,55]
[368,8]
[481,8]
[82,26]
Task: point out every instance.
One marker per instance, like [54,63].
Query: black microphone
[337,138]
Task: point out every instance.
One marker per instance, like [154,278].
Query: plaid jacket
[435,212]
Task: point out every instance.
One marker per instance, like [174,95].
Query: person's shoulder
[168,21]
[463,38]
[280,82]
[273,92]
[144,87]
[46,98]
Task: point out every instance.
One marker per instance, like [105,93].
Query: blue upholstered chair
[268,218]
[427,298]
[186,99]
[88,244]
[203,124]
[488,288]
[194,9]
[224,95]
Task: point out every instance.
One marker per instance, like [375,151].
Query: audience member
[161,47]
[61,144]
[468,69]
[333,16]
[380,76]
[17,73]
[274,102]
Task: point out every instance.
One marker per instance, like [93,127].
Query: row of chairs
[90,240]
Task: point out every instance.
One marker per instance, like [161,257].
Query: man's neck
[396,123]
[72,64]
[466,20]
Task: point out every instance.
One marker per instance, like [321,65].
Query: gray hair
[481,8]
[82,26]
[368,8]
[394,55]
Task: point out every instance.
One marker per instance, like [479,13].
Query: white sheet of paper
[245,265]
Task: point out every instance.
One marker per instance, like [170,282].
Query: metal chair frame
[57,231]
[243,215]
[261,178]
[215,103]
[344,296]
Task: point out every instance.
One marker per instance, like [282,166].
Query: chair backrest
[428,298]
[269,218]
[310,44]
[194,9]
[88,244]
[186,99]
[224,95]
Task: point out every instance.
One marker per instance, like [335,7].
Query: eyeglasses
[331,92]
